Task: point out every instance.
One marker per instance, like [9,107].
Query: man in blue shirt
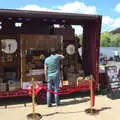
[52,74]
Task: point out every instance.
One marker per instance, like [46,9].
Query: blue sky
[109,9]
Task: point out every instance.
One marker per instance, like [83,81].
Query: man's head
[52,51]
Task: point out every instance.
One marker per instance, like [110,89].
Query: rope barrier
[65,90]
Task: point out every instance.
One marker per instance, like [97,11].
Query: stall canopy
[38,20]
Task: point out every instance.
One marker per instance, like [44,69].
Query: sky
[109,9]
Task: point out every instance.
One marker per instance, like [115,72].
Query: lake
[109,51]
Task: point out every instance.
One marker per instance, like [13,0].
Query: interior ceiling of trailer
[48,17]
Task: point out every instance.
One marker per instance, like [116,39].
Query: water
[109,51]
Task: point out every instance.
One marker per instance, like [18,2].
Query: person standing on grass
[52,75]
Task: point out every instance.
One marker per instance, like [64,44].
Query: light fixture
[56,25]
[18,24]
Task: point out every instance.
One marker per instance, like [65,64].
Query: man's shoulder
[60,56]
[47,59]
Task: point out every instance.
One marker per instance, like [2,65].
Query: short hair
[52,50]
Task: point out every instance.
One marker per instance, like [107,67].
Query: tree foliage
[107,39]
[110,40]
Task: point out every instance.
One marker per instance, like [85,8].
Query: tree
[115,40]
[81,38]
[105,40]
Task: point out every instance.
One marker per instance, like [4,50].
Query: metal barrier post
[33,115]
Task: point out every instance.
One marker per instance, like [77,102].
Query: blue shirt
[53,64]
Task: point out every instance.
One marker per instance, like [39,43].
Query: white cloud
[117,8]
[77,7]
[109,23]
[106,20]
[116,23]
[73,7]
[35,8]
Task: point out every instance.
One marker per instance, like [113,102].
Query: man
[52,74]
[116,55]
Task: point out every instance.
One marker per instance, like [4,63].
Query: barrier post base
[35,116]
[91,111]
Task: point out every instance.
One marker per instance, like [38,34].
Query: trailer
[25,40]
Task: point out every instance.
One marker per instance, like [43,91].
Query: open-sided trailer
[25,39]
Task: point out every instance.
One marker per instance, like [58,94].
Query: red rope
[62,91]
[65,90]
